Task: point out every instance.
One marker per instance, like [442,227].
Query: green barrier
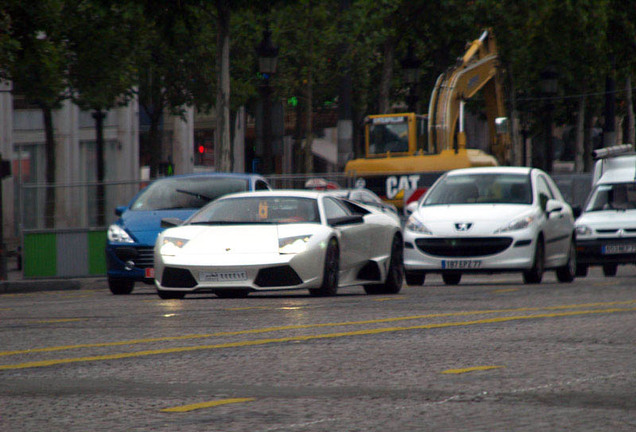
[39,256]
[76,253]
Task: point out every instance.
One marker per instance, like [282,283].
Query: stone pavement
[16,283]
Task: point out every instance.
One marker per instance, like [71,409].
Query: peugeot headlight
[171,245]
[413,224]
[117,234]
[583,230]
[293,245]
[517,224]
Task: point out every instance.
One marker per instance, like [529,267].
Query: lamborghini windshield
[258,210]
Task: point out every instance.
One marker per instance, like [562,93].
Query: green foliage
[104,39]
[33,51]
[102,50]
[306,33]
[177,64]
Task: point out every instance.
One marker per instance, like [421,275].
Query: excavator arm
[477,70]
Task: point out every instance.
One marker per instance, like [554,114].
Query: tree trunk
[588,141]
[99,149]
[630,137]
[222,148]
[387,76]
[49,149]
[155,141]
[579,148]
[609,126]
[298,140]
[309,125]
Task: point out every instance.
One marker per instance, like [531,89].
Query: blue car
[131,239]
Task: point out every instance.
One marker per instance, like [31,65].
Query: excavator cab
[396,135]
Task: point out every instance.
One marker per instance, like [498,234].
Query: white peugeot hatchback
[491,219]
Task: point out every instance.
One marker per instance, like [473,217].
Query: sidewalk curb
[28,286]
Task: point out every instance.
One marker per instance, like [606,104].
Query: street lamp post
[548,87]
[411,73]
[267,61]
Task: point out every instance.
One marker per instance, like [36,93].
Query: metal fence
[299,181]
[70,241]
[76,205]
[70,238]
[574,187]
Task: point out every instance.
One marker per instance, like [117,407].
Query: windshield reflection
[258,210]
[481,189]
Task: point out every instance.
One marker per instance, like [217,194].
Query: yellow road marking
[606,283]
[470,369]
[61,320]
[304,326]
[388,298]
[192,407]
[300,338]
[505,290]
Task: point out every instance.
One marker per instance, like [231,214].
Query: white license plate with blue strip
[461,264]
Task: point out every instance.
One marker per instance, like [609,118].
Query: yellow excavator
[406,152]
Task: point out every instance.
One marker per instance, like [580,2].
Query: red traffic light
[201,149]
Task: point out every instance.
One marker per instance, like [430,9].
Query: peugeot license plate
[228,276]
[460,264]
[619,249]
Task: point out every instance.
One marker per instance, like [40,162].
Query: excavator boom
[406,152]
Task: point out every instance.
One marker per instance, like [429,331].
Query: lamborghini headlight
[413,224]
[117,234]
[293,245]
[171,245]
[517,224]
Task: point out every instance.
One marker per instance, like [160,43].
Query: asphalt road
[490,354]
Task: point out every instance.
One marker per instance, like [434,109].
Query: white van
[606,229]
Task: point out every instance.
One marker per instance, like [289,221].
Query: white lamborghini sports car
[280,240]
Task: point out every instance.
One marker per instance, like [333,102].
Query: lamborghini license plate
[228,276]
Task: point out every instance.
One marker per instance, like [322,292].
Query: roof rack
[617,150]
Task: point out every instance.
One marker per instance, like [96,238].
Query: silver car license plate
[619,249]
[230,276]
[460,264]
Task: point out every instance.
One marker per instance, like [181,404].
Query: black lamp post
[411,73]
[267,60]
[548,85]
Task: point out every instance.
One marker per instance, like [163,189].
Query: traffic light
[166,168]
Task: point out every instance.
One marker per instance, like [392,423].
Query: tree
[308,41]
[103,39]
[178,62]
[35,58]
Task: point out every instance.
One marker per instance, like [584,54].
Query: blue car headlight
[293,245]
[116,234]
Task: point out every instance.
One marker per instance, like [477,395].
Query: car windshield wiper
[195,194]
